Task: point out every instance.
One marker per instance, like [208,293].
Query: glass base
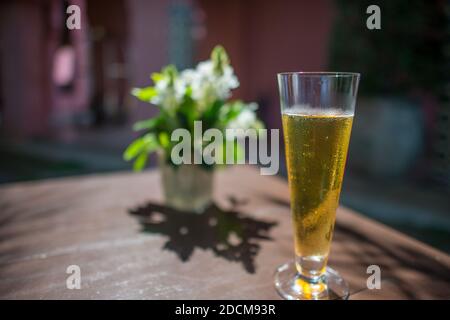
[290,285]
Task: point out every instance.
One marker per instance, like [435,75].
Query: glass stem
[311,268]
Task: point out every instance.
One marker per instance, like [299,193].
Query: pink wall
[65,105]
[263,37]
[30,33]
[25,96]
[147,47]
[267,37]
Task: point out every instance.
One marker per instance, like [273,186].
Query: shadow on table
[227,233]
[397,261]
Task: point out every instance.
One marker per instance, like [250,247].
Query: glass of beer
[317,111]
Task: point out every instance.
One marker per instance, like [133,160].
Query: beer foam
[307,110]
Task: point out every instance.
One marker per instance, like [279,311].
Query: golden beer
[317,112]
[316,150]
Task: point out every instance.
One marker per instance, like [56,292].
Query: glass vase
[186,187]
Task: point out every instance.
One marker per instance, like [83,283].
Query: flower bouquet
[184,100]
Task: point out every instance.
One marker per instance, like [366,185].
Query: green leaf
[144,94]
[164,139]
[171,73]
[148,124]
[134,149]
[188,113]
[219,58]
[145,144]
[230,111]
[156,76]
[211,115]
[150,142]
[140,161]
[188,92]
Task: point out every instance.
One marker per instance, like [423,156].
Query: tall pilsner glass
[317,111]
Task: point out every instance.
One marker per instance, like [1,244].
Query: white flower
[169,96]
[208,86]
[180,85]
[225,83]
[205,68]
[188,75]
[166,95]
[246,119]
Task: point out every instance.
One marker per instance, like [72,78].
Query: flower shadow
[229,234]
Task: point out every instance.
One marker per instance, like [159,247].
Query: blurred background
[65,107]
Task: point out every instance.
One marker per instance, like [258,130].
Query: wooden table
[129,246]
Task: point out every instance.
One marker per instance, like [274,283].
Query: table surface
[128,245]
